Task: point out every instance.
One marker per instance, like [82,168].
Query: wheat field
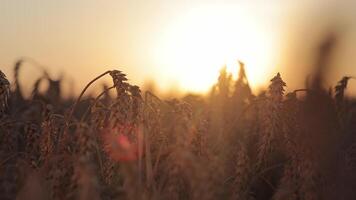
[230,144]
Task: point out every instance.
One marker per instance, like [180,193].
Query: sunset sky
[176,43]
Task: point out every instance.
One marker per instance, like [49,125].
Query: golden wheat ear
[340,88]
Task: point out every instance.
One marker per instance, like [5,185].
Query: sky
[178,44]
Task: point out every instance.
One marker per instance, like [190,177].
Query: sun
[193,49]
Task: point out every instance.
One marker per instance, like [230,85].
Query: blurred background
[176,46]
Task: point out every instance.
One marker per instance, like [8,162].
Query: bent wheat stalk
[68,119]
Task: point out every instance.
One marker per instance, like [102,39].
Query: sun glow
[197,45]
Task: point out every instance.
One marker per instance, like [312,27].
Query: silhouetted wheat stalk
[272,119]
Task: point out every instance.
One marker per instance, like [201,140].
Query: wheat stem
[80,97]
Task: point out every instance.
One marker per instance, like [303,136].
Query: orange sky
[176,43]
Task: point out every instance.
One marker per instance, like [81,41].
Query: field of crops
[230,144]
